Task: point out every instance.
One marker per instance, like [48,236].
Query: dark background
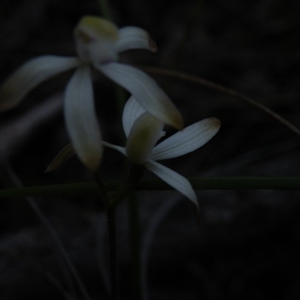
[247,246]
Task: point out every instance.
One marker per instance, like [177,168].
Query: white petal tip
[91,158]
[152,45]
[176,121]
[92,164]
[215,123]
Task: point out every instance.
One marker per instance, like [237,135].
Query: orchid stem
[102,189]
[111,223]
[204,183]
[104,9]
[133,176]
[129,184]
[134,228]
[110,207]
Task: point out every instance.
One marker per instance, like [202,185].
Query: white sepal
[145,90]
[177,181]
[143,135]
[187,140]
[81,119]
[131,37]
[132,110]
[31,74]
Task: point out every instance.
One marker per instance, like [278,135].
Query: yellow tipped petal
[146,91]
[175,120]
[81,119]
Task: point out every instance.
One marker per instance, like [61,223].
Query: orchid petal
[115,147]
[31,74]
[131,37]
[143,135]
[187,140]
[145,90]
[81,118]
[132,110]
[177,181]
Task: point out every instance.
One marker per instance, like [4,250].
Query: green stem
[134,227]
[214,183]
[133,176]
[111,221]
[101,188]
[104,9]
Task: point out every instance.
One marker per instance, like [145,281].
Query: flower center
[95,40]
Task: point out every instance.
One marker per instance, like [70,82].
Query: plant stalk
[111,221]
[134,228]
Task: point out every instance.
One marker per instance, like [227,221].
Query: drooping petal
[145,90]
[115,147]
[132,110]
[31,74]
[96,40]
[131,37]
[177,181]
[143,135]
[187,140]
[81,120]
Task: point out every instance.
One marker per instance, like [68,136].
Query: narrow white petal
[143,135]
[145,90]
[187,140]
[81,118]
[177,181]
[132,110]
[31,74]
[115,147]
[134,38]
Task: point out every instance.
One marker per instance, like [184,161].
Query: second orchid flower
[143,131]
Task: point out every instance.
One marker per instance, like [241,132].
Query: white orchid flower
[98,43]
[143,131]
